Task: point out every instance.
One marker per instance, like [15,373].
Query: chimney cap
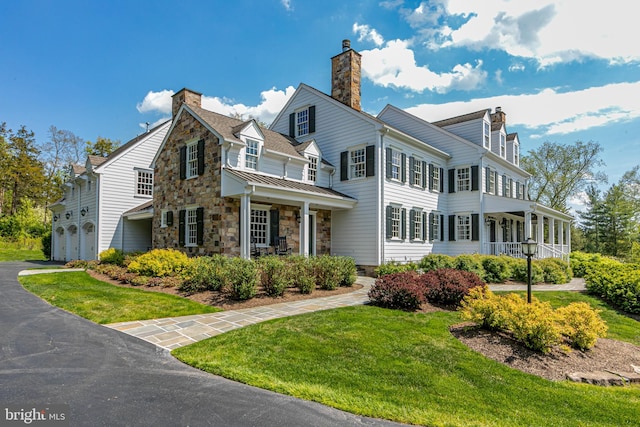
[498,109]
[346,45]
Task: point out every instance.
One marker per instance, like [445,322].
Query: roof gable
[461,119]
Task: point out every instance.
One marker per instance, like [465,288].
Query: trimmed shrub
[470,263]
[581,324]
[204,273]
[436,262]
[519,271]
[111,256]
[555,270]
[46,244]
[617,284]
[302,271]
[159,263]
[533,324]
[482,306]
[241,278]
[275,276]
[447,286]
[392,267]
[398,290]
[497,269]
[327,274]
[347,270]
[580,261]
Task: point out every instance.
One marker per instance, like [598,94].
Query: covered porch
[272,208]
[508,222]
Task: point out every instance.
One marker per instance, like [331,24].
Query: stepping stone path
[607,377]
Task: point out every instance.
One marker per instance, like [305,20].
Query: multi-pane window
[464,179]
[503,145]
[435,178]
[260,226]
[487,135]
[358,163]
[491,177]
[302,122]
[251,156]
[191,228]
[417,225]
[436,226]
[516,154]
[396,221]
[144,183]
[192,160]
[463,227]
[507,187]
[417,173]
[396,164]
[312,169]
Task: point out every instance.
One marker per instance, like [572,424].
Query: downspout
[97,221]
[381,210]
[79,230]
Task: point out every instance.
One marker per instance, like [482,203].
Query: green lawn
[13,254]
[407,367]
[103,303]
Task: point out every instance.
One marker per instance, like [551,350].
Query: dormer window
[503,145]
[516,154]
[251,154]
[487,135]
[312,169]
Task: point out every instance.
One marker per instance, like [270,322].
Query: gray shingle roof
[460,119]
[143,207]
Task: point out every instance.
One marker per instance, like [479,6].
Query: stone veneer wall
[221,215]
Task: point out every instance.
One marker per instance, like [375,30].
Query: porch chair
[255,250]
[281,246]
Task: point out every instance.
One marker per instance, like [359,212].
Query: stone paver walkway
[174,332]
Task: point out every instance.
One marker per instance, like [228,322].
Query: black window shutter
[388,162]
[431,177]
[475,227]
[424,227]
[425,177]
[475,178]
[403,223]
[442,180]
[452,180]
[292,125]
[452,228]
[169,218]
[403,167]
[487,178]
[182,214]
[183,162]
[370,165]
[344,166]
[274,225]
[201,157]
[431,230]
[412,224]
[442,228]
[199,226]
[312,119]
[412,169]
[388,222]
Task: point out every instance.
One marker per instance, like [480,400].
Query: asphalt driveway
[49,356]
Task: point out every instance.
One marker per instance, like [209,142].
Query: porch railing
[514,249]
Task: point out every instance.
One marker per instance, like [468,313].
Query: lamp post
[529,248]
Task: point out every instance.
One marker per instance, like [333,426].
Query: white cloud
[549,31]
[367,33]
[287,5]
[549,111]
[395,65]
[272,101]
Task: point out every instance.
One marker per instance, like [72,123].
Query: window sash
[312,171]
[435,226]
[395,222]
[251,156]
[464,179]
[259,226]
[487,135]
[417,173]
[436,178]
[463,229]
[492,181]
[302,122]
[417,225]
[503,146]
[191,228]
[358,163]
[396,164]
[144,183]
[192,160]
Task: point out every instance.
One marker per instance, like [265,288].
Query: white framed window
[166,218]
[396,221]
[357,163]
[192,159]
[435,178]
[302,122]
[191,227]
[463,227]
[507,186]
[251,154]
[487,135]
[503,145]
[259,226]
[312,168]
[416,226]
[491,178]
[417,173]
[436,226]
[463,179]
[144,183]
[516,154]
[396,164]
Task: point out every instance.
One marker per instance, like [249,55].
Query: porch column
[304,229]
[245,226]
[540,237]
[569,237]
[527,226]
[561,234]
[552,232]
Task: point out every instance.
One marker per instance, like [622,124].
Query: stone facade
[345,76]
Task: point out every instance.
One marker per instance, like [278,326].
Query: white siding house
[104,202]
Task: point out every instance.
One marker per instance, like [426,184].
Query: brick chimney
[345,76]
[185,96]
[499,116]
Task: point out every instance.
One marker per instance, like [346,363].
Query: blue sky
[561,70]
